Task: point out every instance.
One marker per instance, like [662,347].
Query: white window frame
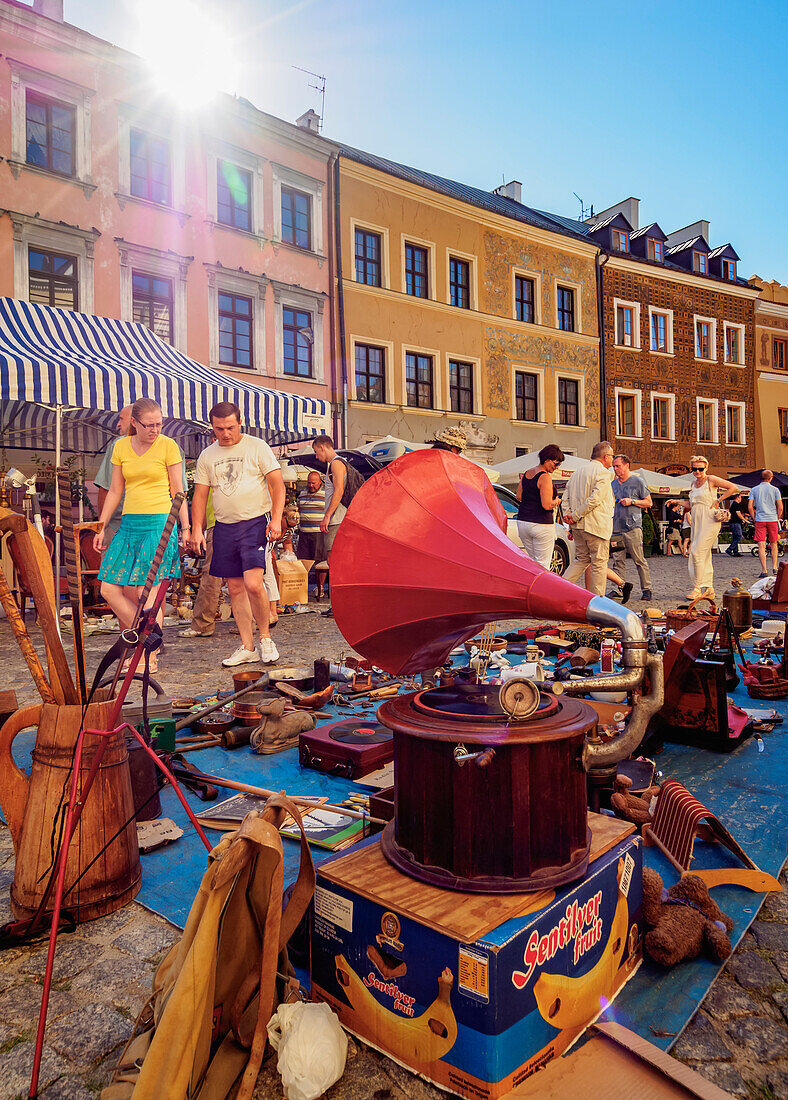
[129,119]
[712,322]
[569,284]
[438,381]
[714,402]
[164,265]
[383,232]
[536,279]
[476,366]
[227,280]
[741,329]
[668,329]
[626,391]
[432,284]
[218,152]
[671,399]
[286,296]
[50,236]
[741,407]
[25,78]
[388,358]
[290,177]
[619,303]
[470,260]
[529,368]
[581,396]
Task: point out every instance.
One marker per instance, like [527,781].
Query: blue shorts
[238,547]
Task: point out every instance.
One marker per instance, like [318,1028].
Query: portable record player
[352,748]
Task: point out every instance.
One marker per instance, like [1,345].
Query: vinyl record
[361,732]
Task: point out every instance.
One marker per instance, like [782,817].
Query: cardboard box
[292,580]
[475,1014]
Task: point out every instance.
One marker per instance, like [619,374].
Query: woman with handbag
[707,518]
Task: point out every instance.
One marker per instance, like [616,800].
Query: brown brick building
[678,329]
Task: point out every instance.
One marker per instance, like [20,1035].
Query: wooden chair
[21,574]
[91,563]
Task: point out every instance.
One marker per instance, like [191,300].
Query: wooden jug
[32,807]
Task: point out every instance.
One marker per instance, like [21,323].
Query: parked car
[365,464]
[563,551]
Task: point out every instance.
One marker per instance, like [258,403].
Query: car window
[508,503]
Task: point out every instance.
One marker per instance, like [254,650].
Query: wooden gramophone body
[420,564]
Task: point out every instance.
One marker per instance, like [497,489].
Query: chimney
[512,190]
[52,9]
[630,208]
[697,229]
[309,120]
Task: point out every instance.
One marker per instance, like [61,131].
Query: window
[150,173]
[655,250]
[734,423]
[370,374]
[568,401]
[703,340]
[659,332]
[734,344]
[296,218]
[662,406]
[782,415]
[233,196]
[729,269]
[461,386]
[235,331]
[626,415]
[620,240]
[418,380]
[524,299]
[707,421]
[520,451]
[625,326]
[416,271]
[368,258]
[526,404]
[566,309]
[460,283]
[152,303]
[52,279]
[298,337]
[50,132]
[779,354]
[700,263]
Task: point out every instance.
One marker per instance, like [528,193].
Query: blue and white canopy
[57,364]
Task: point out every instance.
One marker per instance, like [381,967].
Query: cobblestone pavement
[738,1039]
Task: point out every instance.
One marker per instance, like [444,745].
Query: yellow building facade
[450,311]
[771,364]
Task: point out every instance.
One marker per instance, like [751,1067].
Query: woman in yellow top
[148,467]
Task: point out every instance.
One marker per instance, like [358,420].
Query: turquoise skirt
[128,557]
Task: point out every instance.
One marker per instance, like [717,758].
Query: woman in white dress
[704,503]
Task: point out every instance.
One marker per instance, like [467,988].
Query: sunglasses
[696,469]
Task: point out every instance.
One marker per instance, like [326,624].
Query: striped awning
[91,367]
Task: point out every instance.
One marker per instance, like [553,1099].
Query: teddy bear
[684,921]
[631,807]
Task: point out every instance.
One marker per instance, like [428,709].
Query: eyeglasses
[697,469]
[148,427]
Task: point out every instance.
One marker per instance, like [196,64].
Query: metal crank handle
[481,759]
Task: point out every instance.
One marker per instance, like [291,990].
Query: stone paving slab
[738,1040]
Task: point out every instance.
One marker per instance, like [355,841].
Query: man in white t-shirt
[248,499]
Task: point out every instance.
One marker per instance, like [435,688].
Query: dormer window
[620,240]
[729,270]
[656,250]
[700,263]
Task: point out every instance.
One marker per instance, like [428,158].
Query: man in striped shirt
[311,508]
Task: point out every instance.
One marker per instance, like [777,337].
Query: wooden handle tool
[59,672]
[23,638]
[72,555]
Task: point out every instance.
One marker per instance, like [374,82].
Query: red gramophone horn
[422,561]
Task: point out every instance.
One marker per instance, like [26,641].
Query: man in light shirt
[766,508]
[588,507]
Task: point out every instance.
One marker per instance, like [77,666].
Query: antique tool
[59,672]
[737,601]
[195,715]
[352,748]
[73,558]
[23,638]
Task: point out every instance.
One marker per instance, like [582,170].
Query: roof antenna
[584,211]
[321,87]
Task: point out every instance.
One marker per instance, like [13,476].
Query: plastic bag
[312,1048]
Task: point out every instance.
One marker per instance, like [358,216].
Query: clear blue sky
[681,104]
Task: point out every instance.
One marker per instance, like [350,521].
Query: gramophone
[491,782]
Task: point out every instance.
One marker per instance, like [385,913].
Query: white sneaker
[242,656]
[268,651]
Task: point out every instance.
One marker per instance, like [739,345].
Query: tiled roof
[608,221]
[646,231]
[486,200]
[721,249]
[676,248]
